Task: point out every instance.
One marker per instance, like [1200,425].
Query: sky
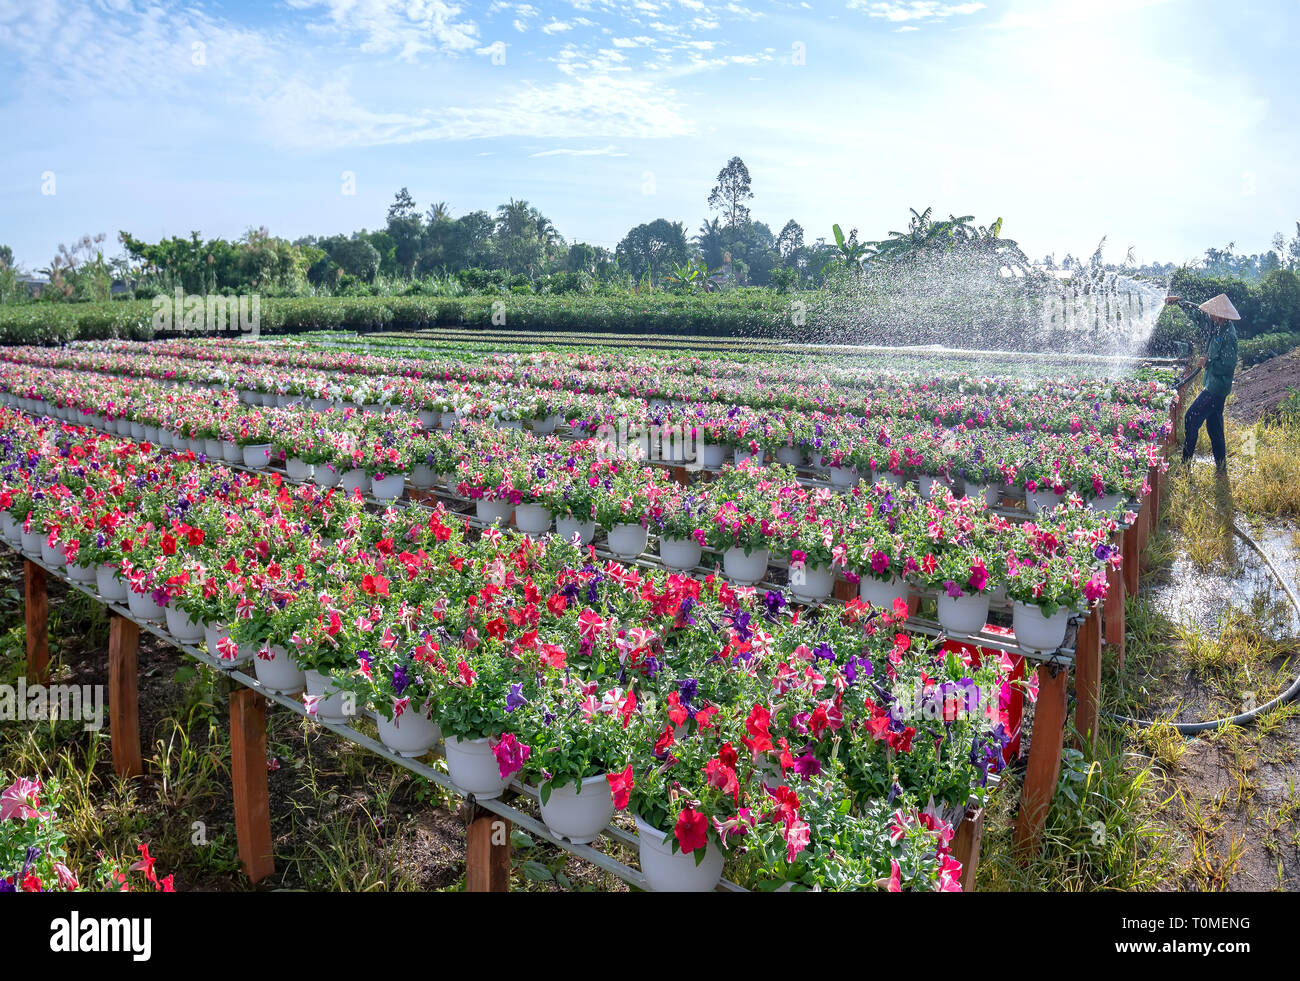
[1166,125]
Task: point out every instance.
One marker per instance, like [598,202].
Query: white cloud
[606,151]
[556,27]
[915,9]
[409,27]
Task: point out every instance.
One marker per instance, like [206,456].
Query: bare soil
[1260,389]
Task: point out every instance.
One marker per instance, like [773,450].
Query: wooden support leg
[1114,612]
[1087,679]
[1143,532]
[124,695]
[248,775]
[844,590]
[487,853]
[966,847]
[1131,569]
[36,606]
[1044,767]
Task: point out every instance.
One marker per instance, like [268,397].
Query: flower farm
[771,625]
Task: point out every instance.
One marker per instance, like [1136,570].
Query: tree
[790,241]
[407,232]
[517,237]
[731,191]
[647,249]
[355,256]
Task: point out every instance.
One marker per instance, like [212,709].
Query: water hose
[1194,728]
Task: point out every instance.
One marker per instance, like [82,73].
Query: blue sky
[1168,125]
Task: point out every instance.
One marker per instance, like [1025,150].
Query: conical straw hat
[1220,306]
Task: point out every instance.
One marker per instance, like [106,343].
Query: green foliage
[1264,346]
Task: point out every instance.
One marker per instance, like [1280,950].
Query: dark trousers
[1208,409]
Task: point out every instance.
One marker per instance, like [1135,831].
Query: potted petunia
[579,741]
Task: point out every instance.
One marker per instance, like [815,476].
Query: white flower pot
[545,425]
[448,421]
[390,488]
[578,811]
[267,399]
[1035,632]
[532,519]
[195,446]
[887,478]
[297,469]
[213,635]
[882,594]
[51,554]
[493,512]
[680,554]
[991,493]
[410,736]
[332,701]
[320,405]
[429,418]
[1042,500]
[509,424]
[180,626]
[568,526]
[966,615]
[212,449]
[448,480]
[281,673]
[325,475]
[790,456]
[666,871]
[1107,503]
[927,485]
[473,767]
[84,574]
[143,606]
[422,476]
[844,476]
[745,569]
[712,455]
[32,542]
[137,431]
[108,585]
[231,452]
[354,480]
[257,455]
[11,528]
[814,585]
[740,456]
[627,541]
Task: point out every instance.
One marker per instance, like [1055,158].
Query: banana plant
[853,251]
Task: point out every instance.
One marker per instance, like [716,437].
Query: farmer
[1219,363]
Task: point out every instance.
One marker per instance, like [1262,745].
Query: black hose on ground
[1193,728]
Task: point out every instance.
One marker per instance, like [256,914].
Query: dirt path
[1261,389]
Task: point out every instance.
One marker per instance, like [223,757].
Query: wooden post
[487,852]
[1131,570]
[1087,679]
[1114,613]
[1143,532]
[248,776]
[844,590]
[36,608]
[124,695]
[966,846]
[1044,767]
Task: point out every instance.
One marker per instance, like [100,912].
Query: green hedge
[1265,346]
[745,311]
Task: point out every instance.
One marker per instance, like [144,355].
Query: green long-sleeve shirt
[1221,355]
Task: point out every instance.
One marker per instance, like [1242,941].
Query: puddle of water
[1202,597]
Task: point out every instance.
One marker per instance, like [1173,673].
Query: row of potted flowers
[827,749]
[1105,470]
